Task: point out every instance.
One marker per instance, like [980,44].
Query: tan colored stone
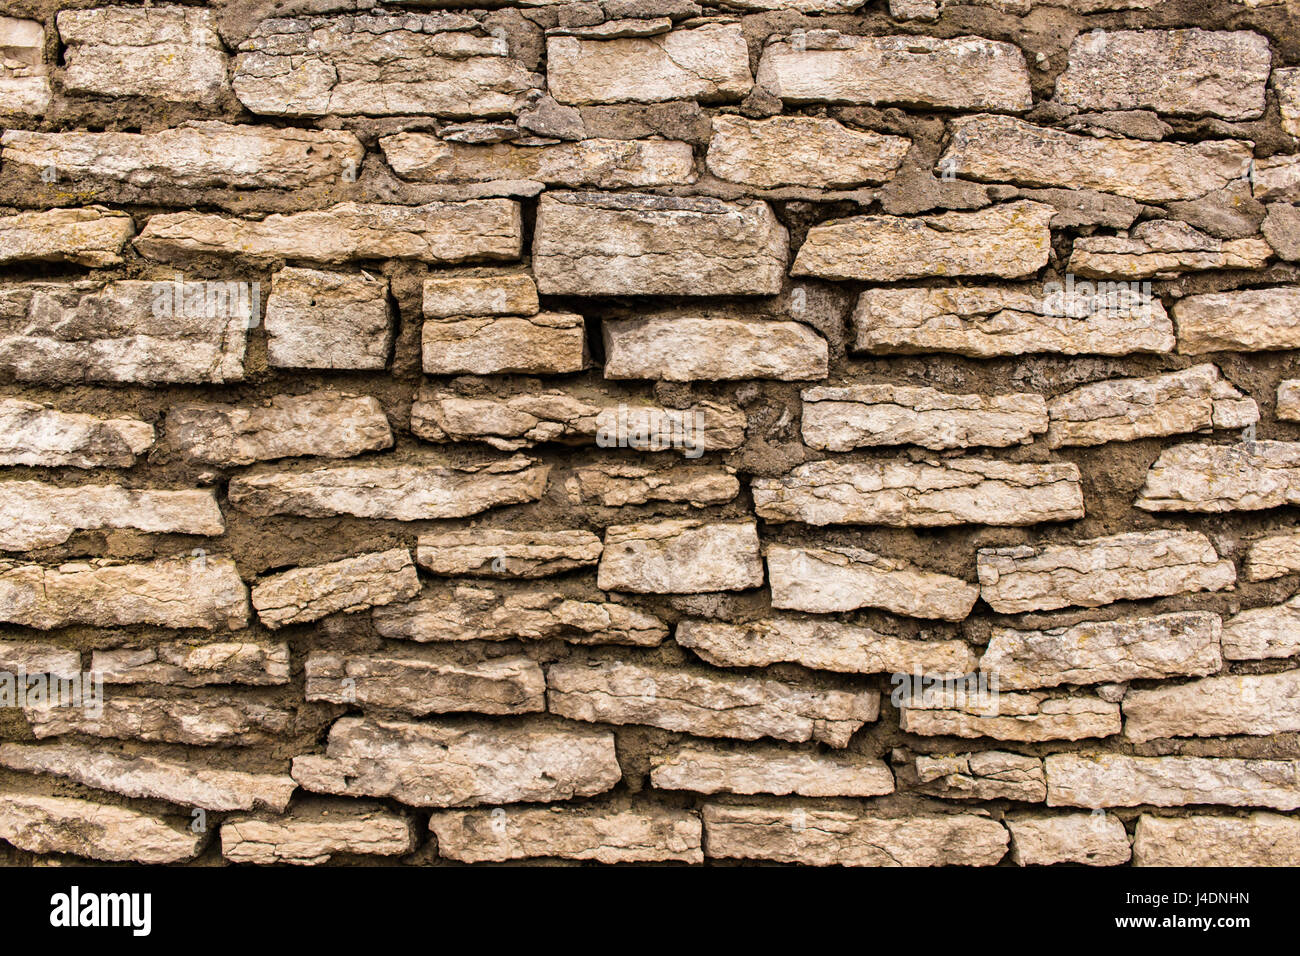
[1273,556]
[186,664]
[801,151]
[1277,178]
[204,719]
[824,580]
[1288,400]
[984,775]
[686,348]
[1261,839]
[90,236]
[1162,249]
[33,434]
[488,552]
[708,767]
[548,343]
[616,484]
[1121,567]
[24,80]
[680,556]
[315,831]
[1039,839]
[351,585]
[1247,320]
[34,514]
[1287,84]
[1263,632]
[1027,718]
[445,296]
[1215,478]
[40,824]
[461,764]
[318,319]
[1117,780]
[1252,704]
[33,657]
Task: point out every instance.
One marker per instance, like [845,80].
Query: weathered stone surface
[1163,249]
[590,163]
[350,585]
[171,53]
[24,80]
[92,332]
[498,613]
[1261,839]
[1099,652]
[171,592]
[394,492]
[34,514]
[445,296]
[318,319]
[1277,178]
[1003,149]
[964,73]
[42,824]
[438,232]
[1028,718]
[1120,567]
[822,645]
[987,322]
[548,343]
[931,494]
[638,244]
[801,151]
[1126,409]
[1241,321]
[1085,207]
[36,658]
[706,767]
[708,63]
[1116,780]
[1282,230]
[316,830]
[707,703]
[89,236]
[686,348]
[209,719]
[1263,632]
[1273,556]
[489,552]
[1288,400]
[184,782]
[984,775]
[432,764]
[1214,478]
[1011,240]
[841,419]
[1038,839]
[1287,84]
[324,424]
[521,420]
[427,680]
[202,154]
[823,580]
[636,833]
[186,664]
[824,837]
[680,556]
[615,485]
[1254,704]
[33,434]
[1182,72]
[378,65]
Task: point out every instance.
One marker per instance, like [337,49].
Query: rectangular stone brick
[90,236]
[680,556]
[444,296]
[706,63]
[315,831]
[1247,320]
[33,434]
[686,348]
[548,343]
[825,580]
[1261,839]
[1288,400]
[186,664]
[932,494]
[707,703]
[615,485]
[1273,556]
[638,832]
[1121,567]
[1214,478]
[205,719]
[1117,780]
[706,767]
[1026,718]
[639,244]
[461,764]
[1093,839]
[1277,177]
[37,658]
[353,584]
[966,73]
[24,79]
[1252,704]
[34,514]
[318,319]
[489,552]
[801,151]
[1011,240]
[1161,249]
[984,775]
[1263,632]
[170,592]
[40,824]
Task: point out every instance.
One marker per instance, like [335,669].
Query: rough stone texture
[826,837]
[1243,321]
[1261,839]
[983,775]
[1027,718]
[823,580]
[1263,632]
[35,434]
[90,236]
[1273,556]
[1282,230]
[1288,401]
[395,492]
[801,151]
[183,782]
[616,485]
[493,553]
[688,348]
[1011,240]
[98,831]
[24,80]
[607,834]
[1003,149]
[547,343]
[1256,704]
[963,73]
[1120,567]
[350,585]
[170,592]
[922,495]
[1161,249]
[318,319]
[185,664]
[1166,645]
[707,703]
[705,767]
[36,515]
[1277,177]
[207,719]
[1041,840]
[444,296]
[313,832]
[37,658]
[1180,72]
[639,244]
[431,764]
[1195,399]
[841,419]
[1215,478]
[680,557]
[1116,780]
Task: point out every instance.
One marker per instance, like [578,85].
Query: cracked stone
[680,556]
[1247,320]
[40,824]
[686,348]
[1117,780]
[353,584]
[548,343]
[489,552]
[801,151]
[1251,704]
[708,767]
[314,831]
[1216,478]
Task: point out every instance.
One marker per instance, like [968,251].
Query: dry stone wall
[827,432]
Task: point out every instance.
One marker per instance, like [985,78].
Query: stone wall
[809,431]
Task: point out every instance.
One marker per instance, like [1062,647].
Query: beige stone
[313,832]
[1162,249]
[353,584]
[1247,320]
[318,319]
[24,79]
[1288,400]
[1213,478]
[1287,84]
[187,664]
[40,824]
[1273,556]
[489,552]
[1278,177]
[1252,704]
[680,556]
[1261,839]
[1117,780]
[1026,718]
[34,434]
[33,657]
[548,343]
[444,296]
[984,775]
[615,484]
[203,719]
[90,236]
[686,348]
[34,514]
[801,151]
[1263,632]
[1039,839]
[707,767]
